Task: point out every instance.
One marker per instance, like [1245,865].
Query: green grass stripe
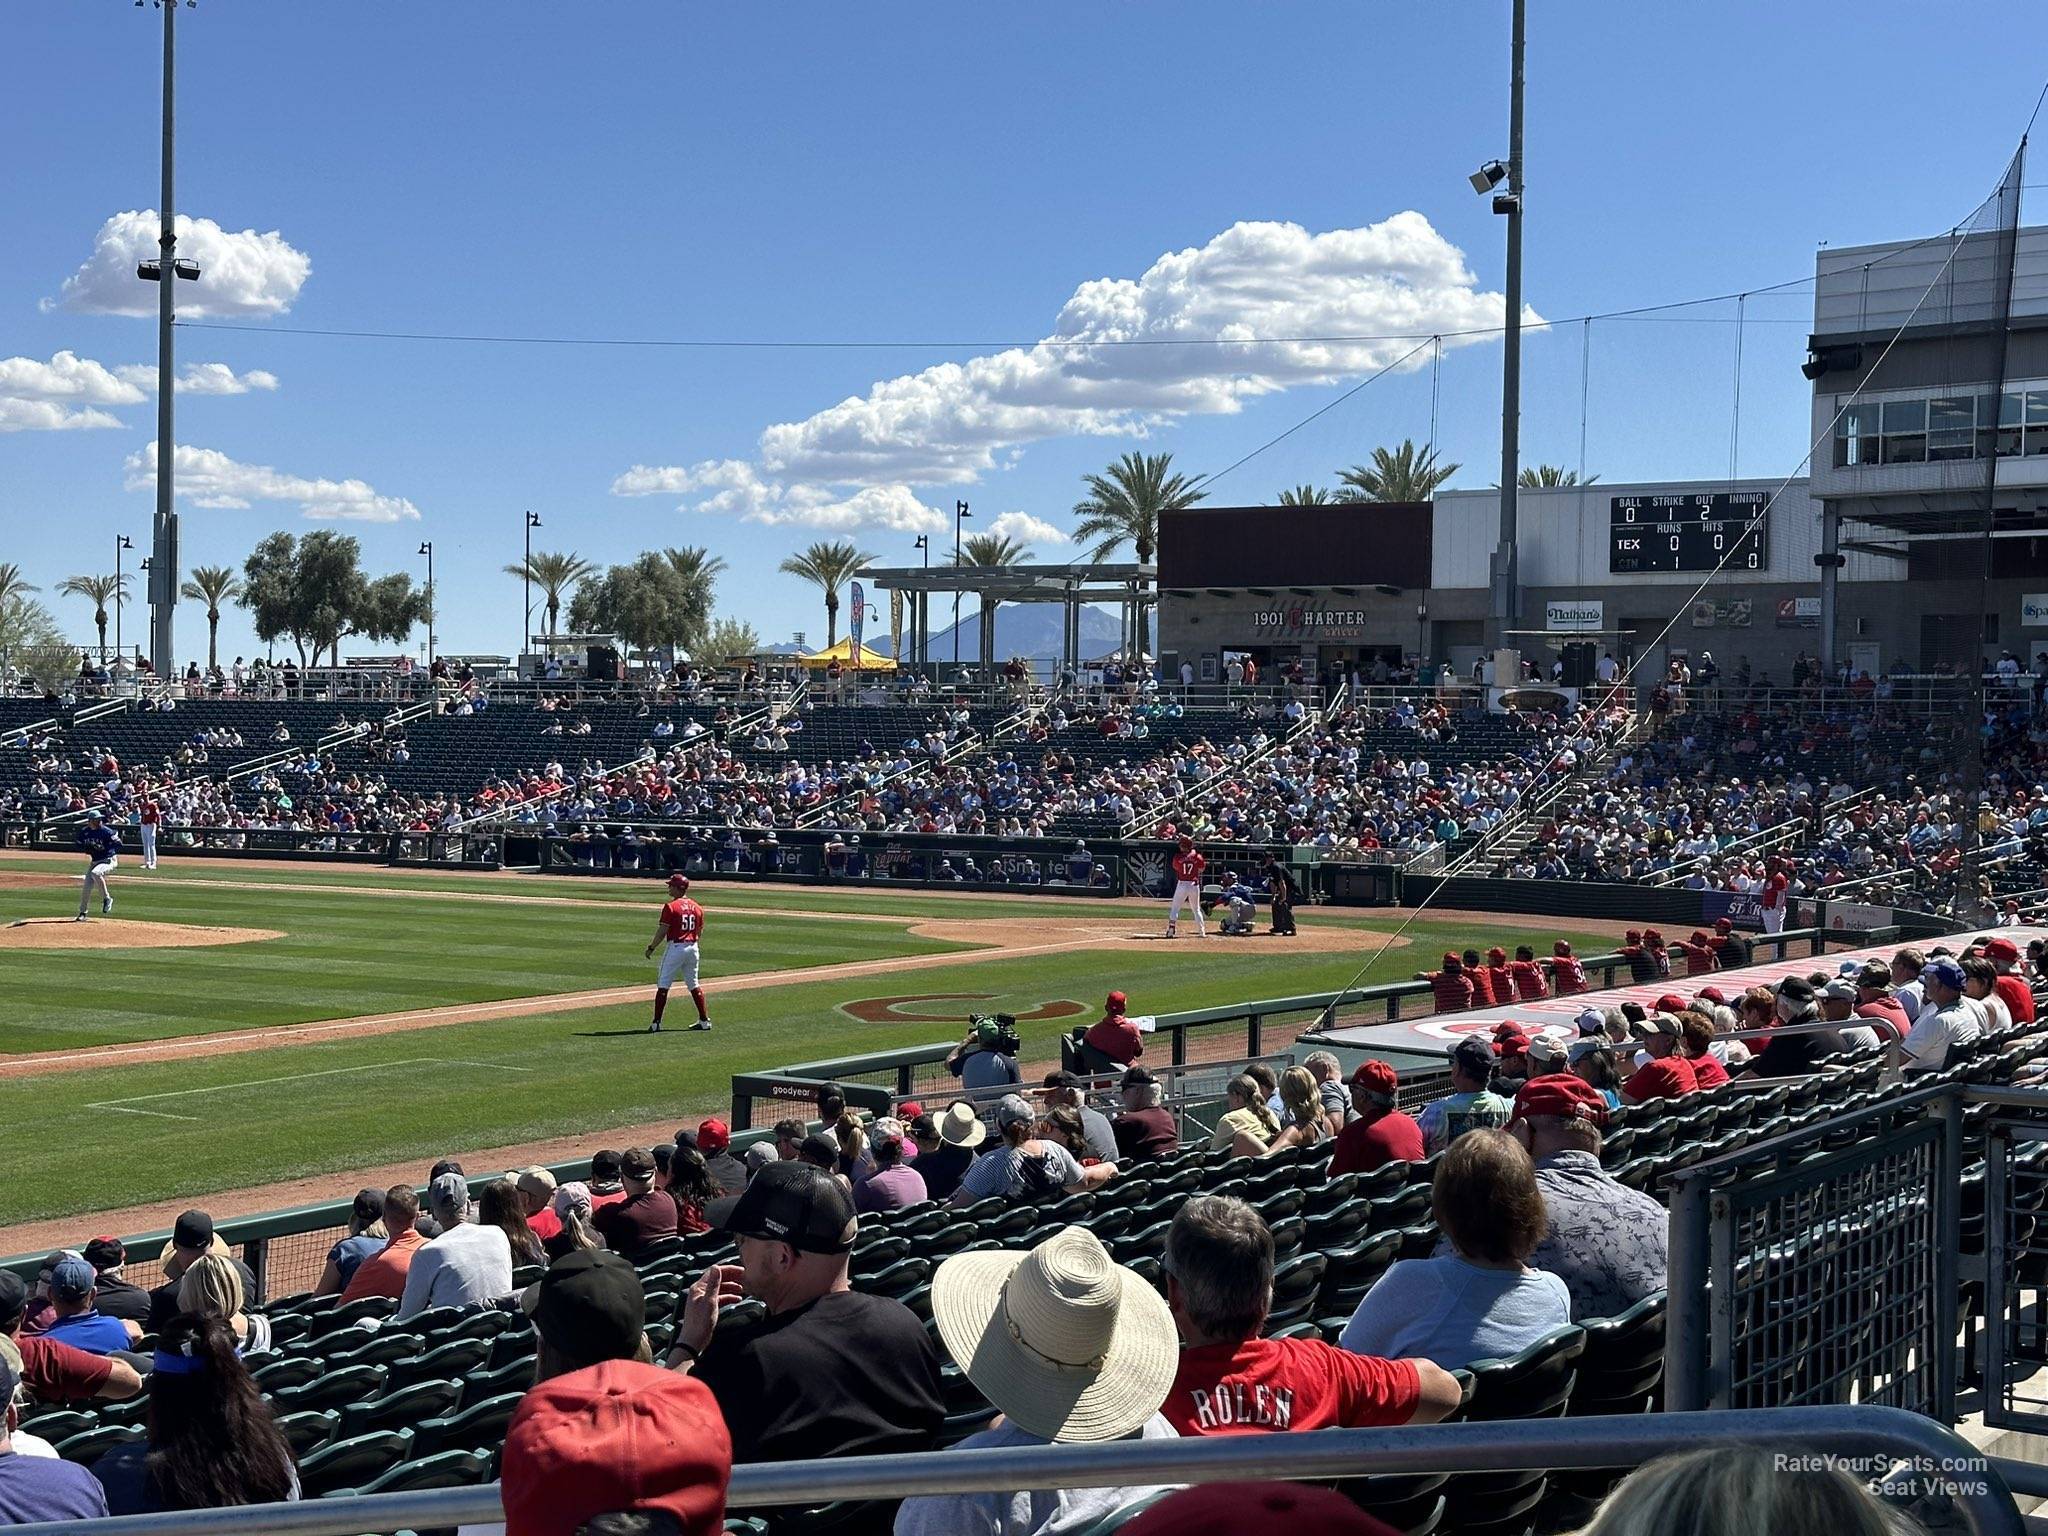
[264,1116]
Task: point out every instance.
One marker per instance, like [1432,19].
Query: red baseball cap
[713,1136]
[1713,995]
[617,1436]
[909,1110]
[2001,949]
[1563,1095]
[1510,1039]
[679,882]
[1496,954]
[1561,947]
[1633,936]
[1377,1079]
[1117,1000]
[1235,1509]
[1722,925]
[1671,1002]
[1652,936]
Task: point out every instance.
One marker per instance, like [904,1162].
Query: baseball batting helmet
[679,883]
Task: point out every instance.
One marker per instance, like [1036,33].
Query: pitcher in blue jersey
[102,845]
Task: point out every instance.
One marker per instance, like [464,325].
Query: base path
[1002,939]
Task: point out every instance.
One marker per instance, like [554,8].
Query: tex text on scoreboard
[1703,531]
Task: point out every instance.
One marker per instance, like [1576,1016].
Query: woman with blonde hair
[212,1287]
[1248,1126]
[1304,1121]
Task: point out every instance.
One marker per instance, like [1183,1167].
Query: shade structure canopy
[841,651]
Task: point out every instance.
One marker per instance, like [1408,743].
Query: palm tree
[993,549]
[1546,476]
[1401,474]
[1307,496]
[99,591]
[554,575]
[1123,506]
[13,584]
[698,570]
[831,566]
[212,585]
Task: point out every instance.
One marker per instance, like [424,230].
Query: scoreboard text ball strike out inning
[1687,533]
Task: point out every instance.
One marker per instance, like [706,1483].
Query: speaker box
[601,664]
[1580,659]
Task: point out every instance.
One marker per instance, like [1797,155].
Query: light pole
[121,542]
[960,516]
[163,565]
[427,549]
[1507,596]
[920,609]
[526,634]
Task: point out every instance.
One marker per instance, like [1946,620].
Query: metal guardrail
[1876,1438]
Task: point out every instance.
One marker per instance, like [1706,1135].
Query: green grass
[345,955]
[185,1128]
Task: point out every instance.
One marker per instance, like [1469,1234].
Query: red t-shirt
[545,1223]
[1259,1385]
[1453,990]
[1707,1072]
[1699,959]
[61,1373]
[682,920]
[1483,995]
[1189,865]
[1365,1145]
[2018,997]
[1503,979]
[1887,1010]
[1117,1038]
[1668,1077]
[1529,980]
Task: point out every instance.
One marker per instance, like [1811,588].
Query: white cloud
[242,273]
[200,379]
[48,416]
[67,379]
[734,487]
[956,421]
[209,478]
[1026,529]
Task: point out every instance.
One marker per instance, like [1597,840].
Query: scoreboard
[1723,530]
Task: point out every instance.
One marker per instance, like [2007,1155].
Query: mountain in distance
[1022,629]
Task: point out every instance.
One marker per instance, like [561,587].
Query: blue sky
[913,173]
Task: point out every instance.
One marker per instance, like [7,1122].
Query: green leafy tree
[313,592]
[99,591]
[646,604]
[1123,506]
[831,566]
[554,574]
[1405,473]
[698,570]
[1307,496]
[212,585]
[31,644]
[1547,476]
[726,640]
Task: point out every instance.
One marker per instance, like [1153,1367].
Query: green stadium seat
[527,1274]
[479,1427]
[1013,1222]
[1151,1271]
[449,1362]
[1349,1273]
[60,1423]
[1620,1372]
[1296,1282]
[287,1371]
[1288,1235]
[948,1239]
[1337,1228]
[875,1256]
[1410,1502]
[309,1430]
[351,1313]
[354,1459]
[355,1383]
[289,1329]
[1535,1383]
[1403,1209]
[449,1469]
[89,1445]
[1419,1241]
[403,1407]
[513,1376]
[1149,1243]
[899,1279]
[379,1349]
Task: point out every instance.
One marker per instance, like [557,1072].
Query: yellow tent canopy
[841,651]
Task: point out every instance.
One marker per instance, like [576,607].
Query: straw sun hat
[1071,1346]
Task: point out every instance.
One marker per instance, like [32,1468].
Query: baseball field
[265,1034]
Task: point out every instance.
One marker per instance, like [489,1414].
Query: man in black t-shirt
[191,1239]
[829,1371]
[117,1295]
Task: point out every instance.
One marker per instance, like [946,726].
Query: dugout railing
[1902,1456]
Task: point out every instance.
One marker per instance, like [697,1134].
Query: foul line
[125,1106]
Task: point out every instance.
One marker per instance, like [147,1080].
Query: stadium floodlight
[1489,176]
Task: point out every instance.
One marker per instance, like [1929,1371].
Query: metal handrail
[1976,1484]
[512,808]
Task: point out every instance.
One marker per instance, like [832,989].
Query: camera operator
[987,1058]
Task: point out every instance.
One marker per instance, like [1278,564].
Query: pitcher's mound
[119,933]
